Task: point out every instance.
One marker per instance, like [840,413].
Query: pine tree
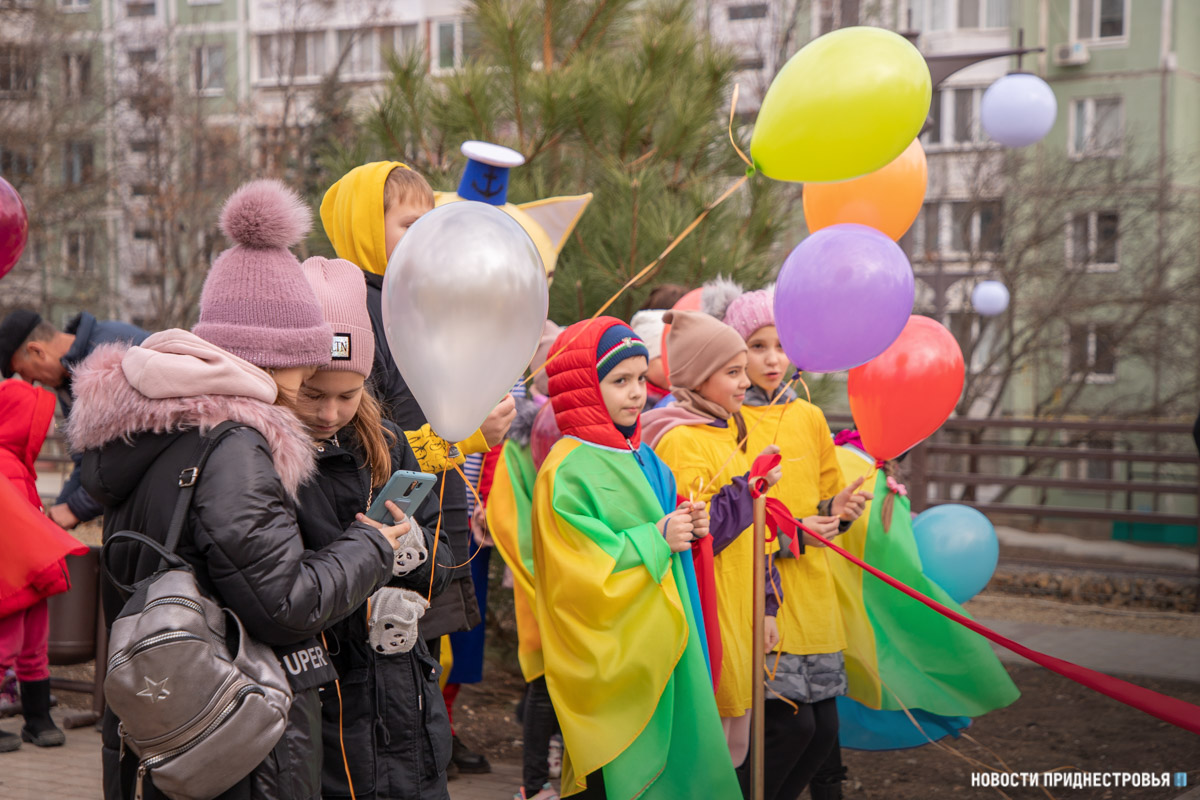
[627,100]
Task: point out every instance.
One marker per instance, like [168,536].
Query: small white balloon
[990,298]
[1018,110]
[464,303]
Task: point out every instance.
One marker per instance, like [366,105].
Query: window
[17,163]
[208,69]
[1100,19]
[834,14]
[456,42]
[77,162]
[1092,469]
[18,73]
[365,52]
[961,124]
[1093,239]
[145,146]
[749,11]
[1091,352]
[77,74]
[79,258]
[753,63]
[1097,126]
[298,55]
[959,228]
[142,189]
[944,15]
[143,232]
[73,5]
[142,58]
[139,8]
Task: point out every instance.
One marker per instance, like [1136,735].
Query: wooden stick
[757,673]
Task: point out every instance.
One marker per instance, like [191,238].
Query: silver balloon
[464,302]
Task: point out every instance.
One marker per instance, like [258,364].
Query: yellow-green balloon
[846,104]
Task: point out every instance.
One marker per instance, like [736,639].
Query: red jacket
[34,548]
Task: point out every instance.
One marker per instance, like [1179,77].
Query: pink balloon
[544,434]
[14,227]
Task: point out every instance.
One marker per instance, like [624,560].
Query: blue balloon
[958,549]
[1018,109]
[990,298]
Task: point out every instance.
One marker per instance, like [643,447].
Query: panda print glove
[392,627]
[411,552]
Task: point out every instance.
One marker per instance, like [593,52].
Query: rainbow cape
[901,653]
[623,659]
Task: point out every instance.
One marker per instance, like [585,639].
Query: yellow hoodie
[352,215]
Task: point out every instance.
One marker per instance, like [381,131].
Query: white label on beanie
[341,347]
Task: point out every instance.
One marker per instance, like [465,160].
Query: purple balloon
[844,294]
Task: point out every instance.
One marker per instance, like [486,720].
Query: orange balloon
[689,302]
[900,397]
[887,199]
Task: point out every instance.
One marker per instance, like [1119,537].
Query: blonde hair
[404,185]
[377,441]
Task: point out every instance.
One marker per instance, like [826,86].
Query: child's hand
[775,475]
[677,528]
[849,503]
[495,427]
[699,519]
[770,634]
[394,532]
[823,526]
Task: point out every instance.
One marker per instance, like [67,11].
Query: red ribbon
[1169,709]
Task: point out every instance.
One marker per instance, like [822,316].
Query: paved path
[1113,652]
[72,772]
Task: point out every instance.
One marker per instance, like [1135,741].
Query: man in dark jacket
[37,351]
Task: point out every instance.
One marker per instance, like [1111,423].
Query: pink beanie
[342,292]
[256,303]
[751,311]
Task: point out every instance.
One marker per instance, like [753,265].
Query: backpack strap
[187,485]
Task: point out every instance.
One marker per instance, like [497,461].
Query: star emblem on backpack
[155,690]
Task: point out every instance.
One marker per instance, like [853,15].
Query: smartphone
[406,489]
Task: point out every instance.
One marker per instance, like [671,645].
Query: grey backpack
[200,702]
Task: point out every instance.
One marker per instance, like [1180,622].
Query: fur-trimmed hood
[109,408]
[522,424]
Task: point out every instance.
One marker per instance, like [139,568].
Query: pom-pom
[718,294]
[265,214]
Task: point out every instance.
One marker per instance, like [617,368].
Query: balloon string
[732,112]
[737,446]
[641,274]
[479,502]
[437,537]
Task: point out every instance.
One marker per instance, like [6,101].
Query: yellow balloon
[846,104]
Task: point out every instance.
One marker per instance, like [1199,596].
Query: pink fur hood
[121,391]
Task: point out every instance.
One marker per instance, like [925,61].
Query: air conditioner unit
[1071,54]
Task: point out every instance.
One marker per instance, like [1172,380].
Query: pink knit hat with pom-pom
[256,303]
[751,311]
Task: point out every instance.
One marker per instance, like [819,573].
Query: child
[800,713]
[386,733]
[701,438]
[33,548]
[620,639]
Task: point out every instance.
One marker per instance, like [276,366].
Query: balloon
[846,104]
[887,199]
[689,302]
[543,435]
[464,302]
[958,549]
[842,297]
[990,298]
[901,397]
[14,227]
[1018,109]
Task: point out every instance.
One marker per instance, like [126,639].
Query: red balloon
[689,302]
[544,434]
[900,397]
[14,227]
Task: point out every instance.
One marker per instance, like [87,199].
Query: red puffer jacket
[34,548]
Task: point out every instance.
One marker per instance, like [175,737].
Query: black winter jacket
[244,543]
[456,609]
[390,717]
